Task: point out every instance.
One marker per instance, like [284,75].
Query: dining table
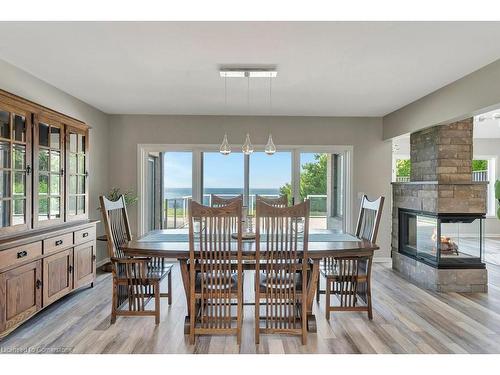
[173,244]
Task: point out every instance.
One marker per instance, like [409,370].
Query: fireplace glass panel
[461,238]
[426,228]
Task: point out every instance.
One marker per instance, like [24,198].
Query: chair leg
[317,288]
[114,302]
[257,312]
[192,318]
[327,300]
[156,288]
[169,288]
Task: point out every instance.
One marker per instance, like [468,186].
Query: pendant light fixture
[270,148]
[225,148]
[247,146]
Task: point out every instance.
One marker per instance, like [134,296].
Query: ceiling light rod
[248,72]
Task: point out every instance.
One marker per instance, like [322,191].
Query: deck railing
[402,178]
[480,175]
[176,208]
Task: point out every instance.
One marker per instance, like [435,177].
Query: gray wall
[20,83]
[468,96]
[371,159]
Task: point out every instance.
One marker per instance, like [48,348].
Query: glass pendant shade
[225,149]
[270,148]
[247,146]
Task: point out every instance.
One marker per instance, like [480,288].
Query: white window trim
[144,149]
[492,176]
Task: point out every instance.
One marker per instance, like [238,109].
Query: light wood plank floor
[407,319]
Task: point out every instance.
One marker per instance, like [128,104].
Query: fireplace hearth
[442,240]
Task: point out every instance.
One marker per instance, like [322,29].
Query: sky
[226,171]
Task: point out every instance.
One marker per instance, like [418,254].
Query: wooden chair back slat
[215,268]
[116,224]
[369,216]
[217,201]
[281,267]
[281,201]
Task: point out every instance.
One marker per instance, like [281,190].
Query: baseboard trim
[382,259]
[102,262]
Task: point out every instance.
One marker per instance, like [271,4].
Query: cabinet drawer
[55,243]
[84,235]
[20,254]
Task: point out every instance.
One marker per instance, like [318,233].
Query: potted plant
[129,195]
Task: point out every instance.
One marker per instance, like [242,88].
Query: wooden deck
[407,319]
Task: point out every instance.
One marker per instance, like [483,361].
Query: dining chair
[135,280]
[217,201]
[215,270]
[281,265]
[281,201]
[349,278]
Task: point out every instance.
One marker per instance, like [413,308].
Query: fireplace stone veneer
[441,184]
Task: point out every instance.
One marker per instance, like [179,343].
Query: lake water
[183,192]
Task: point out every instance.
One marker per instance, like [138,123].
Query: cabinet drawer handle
[59,242]
[38,284]
[86,234]
[22,254]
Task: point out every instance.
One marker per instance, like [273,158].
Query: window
[270,176]
[177,187]
[223,175]
[321,181]
[300,173]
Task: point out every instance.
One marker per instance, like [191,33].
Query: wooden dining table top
[174,244]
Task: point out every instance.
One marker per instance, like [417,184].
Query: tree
[479,165]
[312,179]
[403,167]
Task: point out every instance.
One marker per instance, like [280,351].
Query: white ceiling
[324,68]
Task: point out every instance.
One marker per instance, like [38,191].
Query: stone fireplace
[437,217]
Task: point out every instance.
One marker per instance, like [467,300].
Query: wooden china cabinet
[47,242]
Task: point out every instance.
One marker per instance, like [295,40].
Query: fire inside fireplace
[442,240]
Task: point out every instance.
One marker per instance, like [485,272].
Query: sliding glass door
[177,187]
[321,175]
[321,181]
[269,176]
[222,175]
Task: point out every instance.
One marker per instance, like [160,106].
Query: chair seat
[154,273]
[332,273]
[229,282]
[279,282]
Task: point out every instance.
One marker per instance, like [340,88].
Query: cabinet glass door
[49,183]
[14,169]
[77,163]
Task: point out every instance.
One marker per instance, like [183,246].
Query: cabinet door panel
[15,165]
[84,260]
[48,163]
[77,163]
[20,294]
[57,276]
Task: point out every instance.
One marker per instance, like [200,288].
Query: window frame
[143,151]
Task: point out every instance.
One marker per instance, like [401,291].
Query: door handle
[70,269]
[38,284]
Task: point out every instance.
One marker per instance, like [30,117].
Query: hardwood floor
[407,319]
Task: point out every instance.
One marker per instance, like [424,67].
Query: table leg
[311,291]
[185,279]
